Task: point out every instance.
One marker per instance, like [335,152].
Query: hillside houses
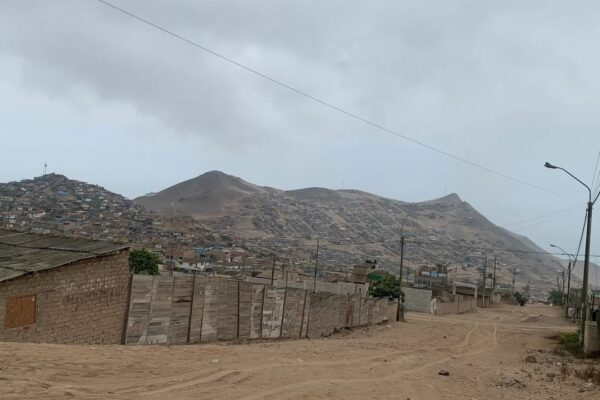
[53,203]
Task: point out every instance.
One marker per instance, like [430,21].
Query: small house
[57,289]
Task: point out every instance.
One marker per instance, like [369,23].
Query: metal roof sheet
[22,253]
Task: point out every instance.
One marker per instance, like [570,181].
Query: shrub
[143,262]
[388,287]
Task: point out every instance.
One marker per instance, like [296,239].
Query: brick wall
[81,303]
[188,309]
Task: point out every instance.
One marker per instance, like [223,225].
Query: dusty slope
[484,353]
[446,230]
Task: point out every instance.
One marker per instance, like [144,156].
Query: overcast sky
[106,99]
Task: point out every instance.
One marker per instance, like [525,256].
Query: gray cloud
[505,84]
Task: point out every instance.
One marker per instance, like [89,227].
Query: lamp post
[570,267]
[586,264]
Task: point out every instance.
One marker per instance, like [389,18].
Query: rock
[530,359]
[511,382]
[443,372]
[215,361]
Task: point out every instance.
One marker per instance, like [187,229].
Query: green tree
[388,287]
[522,299]
[556,297]
[143,262]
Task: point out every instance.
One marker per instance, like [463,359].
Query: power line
[325,103]
[329,246]
[594,177]
[541,223]
[564,210]
[580,240]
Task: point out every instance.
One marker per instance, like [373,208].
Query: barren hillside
[353,224]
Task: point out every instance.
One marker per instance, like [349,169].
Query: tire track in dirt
[190,378]
[342,381]
[401,356]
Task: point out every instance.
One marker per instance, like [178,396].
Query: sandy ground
[484,353]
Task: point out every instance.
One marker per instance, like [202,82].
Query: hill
[207,195]
[55,203]
[353,225]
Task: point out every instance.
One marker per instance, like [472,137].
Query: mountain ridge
[444,230]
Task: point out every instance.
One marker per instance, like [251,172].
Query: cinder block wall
[81,303]
[417,299]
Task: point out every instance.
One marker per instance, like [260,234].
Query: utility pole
[586,269]
[570,266]
[558,283]
[400,310]
[273,270]
[568,302]
[563,286]
[172,259]
[484,279]
[316,267]
[513,283]
[494,279]
[586,265]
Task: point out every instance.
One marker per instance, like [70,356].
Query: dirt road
[483,352]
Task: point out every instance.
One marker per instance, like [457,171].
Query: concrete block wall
[84,302]
[417,299]
[460,305]
[188,309]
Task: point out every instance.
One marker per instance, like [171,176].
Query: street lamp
[570,267]
[586,265]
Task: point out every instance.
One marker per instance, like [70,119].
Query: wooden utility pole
[273,270]
[400,310]
[494,279]
[316,268]
[484,280]
[172,267]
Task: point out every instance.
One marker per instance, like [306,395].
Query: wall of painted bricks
[178,310]
[84,302]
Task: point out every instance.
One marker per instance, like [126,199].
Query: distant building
[360,272]
[429,276]
[62,290]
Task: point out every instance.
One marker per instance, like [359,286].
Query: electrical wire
[329,245]
[541,223]
[580,241]
[594,177]
[325,103]
[541,216]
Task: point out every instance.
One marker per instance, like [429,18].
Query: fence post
[283,312]
[302,319]
[203,311]
[359,305]
[262,309]
[191,309]
[238,310]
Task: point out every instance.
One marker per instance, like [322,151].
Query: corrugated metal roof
[22,253]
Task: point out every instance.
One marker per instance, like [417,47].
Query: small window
[20,311]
